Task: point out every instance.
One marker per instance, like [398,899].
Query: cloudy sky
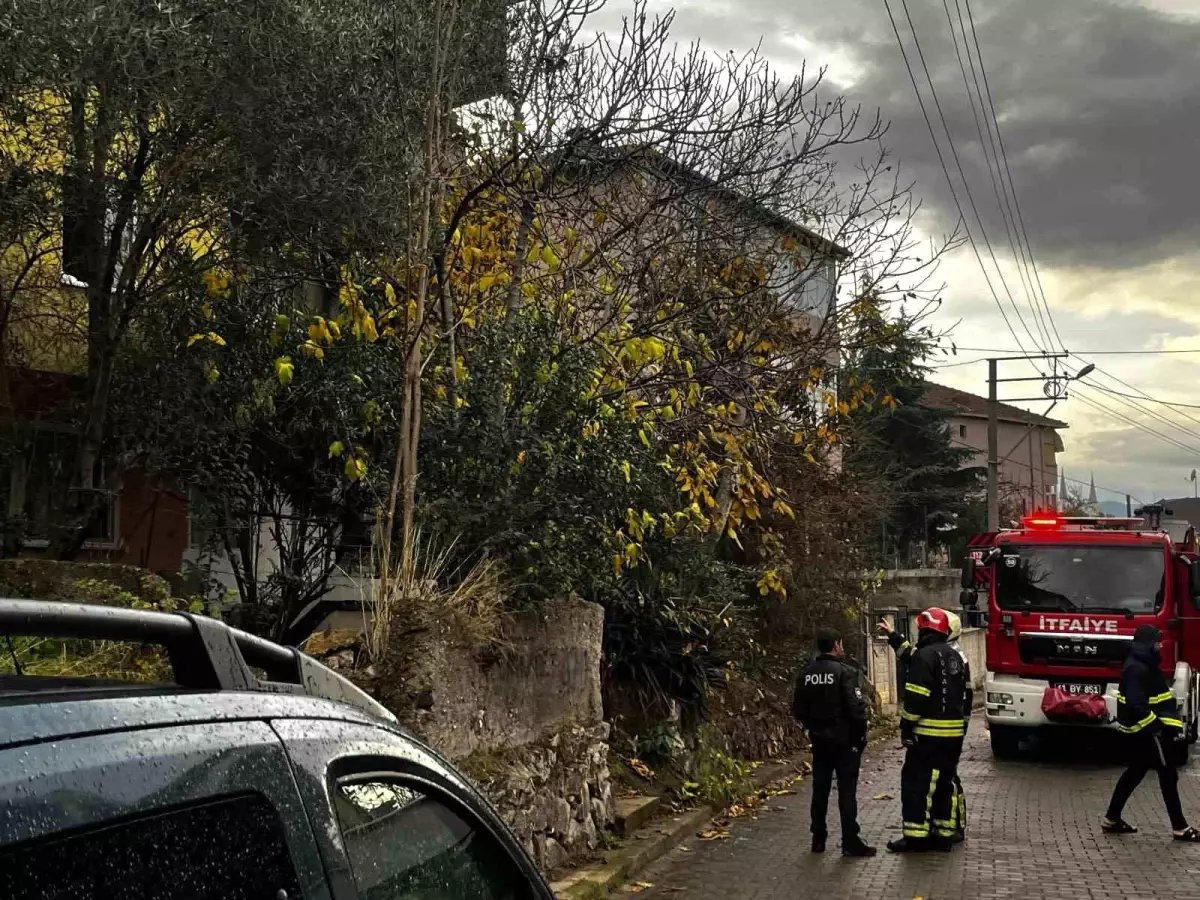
[1099,107]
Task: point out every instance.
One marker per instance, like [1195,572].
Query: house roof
[616,157]
[972,406]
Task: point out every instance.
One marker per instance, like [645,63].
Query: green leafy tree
[900,449]
[537,468]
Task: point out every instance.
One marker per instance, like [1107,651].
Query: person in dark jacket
[904,651]
[932,727]
[1148,715]
[829,703]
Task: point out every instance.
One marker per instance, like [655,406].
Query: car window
[405,842]
[229,849]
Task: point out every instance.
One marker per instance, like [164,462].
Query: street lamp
[1054,388]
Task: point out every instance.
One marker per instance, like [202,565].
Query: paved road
[1033,834]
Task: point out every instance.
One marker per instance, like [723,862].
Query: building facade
[1028,444]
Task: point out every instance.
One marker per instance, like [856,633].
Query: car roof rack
[204,654]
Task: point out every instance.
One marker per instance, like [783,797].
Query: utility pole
[1128,507]
[993,454]
[1054,388]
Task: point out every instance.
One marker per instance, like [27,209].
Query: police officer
[904,650]
[932,727]
[1148,714]
[829,703]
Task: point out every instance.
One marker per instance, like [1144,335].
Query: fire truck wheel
[1006,741]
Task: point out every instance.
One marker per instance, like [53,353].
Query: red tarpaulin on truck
[1062,706]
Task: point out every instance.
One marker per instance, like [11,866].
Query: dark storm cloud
[1099,104]
[1100,110]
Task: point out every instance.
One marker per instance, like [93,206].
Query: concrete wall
[903,595]
[542,673]
[918,589]
[523,716]
[883,667]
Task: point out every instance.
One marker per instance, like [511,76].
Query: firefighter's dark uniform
[829,703]
[958,803]
[932,725]
[1148,714]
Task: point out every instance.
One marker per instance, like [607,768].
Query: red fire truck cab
[1064,597]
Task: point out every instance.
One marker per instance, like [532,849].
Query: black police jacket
[829,702]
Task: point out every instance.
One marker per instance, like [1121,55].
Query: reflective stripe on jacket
[935,693]
[1144,700]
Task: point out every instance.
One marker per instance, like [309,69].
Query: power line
[1006,212]
[1132,403]
[963,175]
[1170,403]
[945,169]
[1158,434]
[1012,184]
[1120,381]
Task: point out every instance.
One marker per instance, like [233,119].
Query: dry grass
[427,585]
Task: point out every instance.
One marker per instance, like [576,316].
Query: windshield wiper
[1124,610]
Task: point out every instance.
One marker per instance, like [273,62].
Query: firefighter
[1148,715]
[932,727]
[904,651]
[829,703]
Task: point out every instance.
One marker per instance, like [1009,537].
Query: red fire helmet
[935,619]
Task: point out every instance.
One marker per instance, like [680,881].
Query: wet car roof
[39,716]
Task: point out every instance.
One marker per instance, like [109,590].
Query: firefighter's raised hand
[885,627]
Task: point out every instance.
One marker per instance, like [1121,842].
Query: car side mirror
[968,572]
[967,599]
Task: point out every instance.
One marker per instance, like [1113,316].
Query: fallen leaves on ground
[639,886]
[884,797]
[713,834]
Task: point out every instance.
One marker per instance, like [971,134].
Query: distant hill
[1112,507]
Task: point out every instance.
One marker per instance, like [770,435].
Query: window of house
[962,431]
[40,495]
[233,849]
[405,842]
[810,290]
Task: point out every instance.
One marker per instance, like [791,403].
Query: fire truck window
[1084,579]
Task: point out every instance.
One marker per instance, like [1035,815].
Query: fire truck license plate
[1072,688]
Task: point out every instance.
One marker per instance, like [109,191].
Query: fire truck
[1064,597]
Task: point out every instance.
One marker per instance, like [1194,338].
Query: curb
[622,864]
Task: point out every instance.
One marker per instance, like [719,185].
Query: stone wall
[523,715]
[555,792]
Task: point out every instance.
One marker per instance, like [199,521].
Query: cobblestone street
[1033,833]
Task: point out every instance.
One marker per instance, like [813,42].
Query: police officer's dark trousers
[1149,752]
[927,787]
[830,758]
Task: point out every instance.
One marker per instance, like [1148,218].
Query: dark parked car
[259,774]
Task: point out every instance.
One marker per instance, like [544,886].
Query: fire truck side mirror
[967,599]
[968,572]
[1194,580]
